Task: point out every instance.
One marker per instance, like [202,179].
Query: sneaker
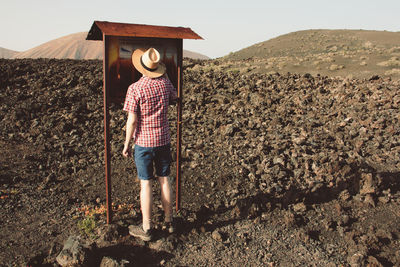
[169,226]
[137,231]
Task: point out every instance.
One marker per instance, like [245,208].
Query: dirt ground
[267,180]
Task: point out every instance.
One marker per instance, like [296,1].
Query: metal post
[179,127]
[107,156]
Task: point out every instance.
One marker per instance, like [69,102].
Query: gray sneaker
[137,231]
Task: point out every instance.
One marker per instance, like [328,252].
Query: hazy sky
[226,26]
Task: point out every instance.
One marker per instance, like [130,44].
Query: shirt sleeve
[131,100]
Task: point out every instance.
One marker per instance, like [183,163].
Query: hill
[75,46]
[194,55]
[7,53]
[360,53]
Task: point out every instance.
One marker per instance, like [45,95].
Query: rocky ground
[278,170]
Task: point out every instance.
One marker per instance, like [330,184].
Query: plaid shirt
[149,99]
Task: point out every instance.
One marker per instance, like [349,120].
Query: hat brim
[136,55]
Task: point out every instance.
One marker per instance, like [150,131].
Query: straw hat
[148,62]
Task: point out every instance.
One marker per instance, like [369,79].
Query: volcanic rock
[74,253]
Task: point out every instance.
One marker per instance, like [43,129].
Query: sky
[226,26]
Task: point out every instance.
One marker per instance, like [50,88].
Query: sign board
[121,72]
[120,40]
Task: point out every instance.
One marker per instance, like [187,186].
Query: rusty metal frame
[107,154]
[179,128]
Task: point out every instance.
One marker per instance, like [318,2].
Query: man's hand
[173,101]
[127,152]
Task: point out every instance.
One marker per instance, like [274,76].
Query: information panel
[122,73]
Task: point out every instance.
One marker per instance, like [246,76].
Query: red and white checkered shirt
[149,99]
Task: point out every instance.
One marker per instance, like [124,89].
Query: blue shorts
[146,157]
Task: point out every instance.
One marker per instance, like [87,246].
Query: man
[147,104]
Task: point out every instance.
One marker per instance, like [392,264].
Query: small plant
[91,216]
[87,226]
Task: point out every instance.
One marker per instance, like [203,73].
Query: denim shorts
[147,157]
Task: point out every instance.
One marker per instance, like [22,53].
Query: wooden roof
[138,30]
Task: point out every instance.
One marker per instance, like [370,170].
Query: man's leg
[162,164]
[166,197]
[146,202]
[144,166]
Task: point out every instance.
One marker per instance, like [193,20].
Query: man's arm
[173,98]
[130,129]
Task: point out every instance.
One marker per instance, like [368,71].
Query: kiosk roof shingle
[138,30]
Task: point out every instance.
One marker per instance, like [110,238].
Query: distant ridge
[346,53]
[308,42]
[75,46]
[7,53]
[194,55]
